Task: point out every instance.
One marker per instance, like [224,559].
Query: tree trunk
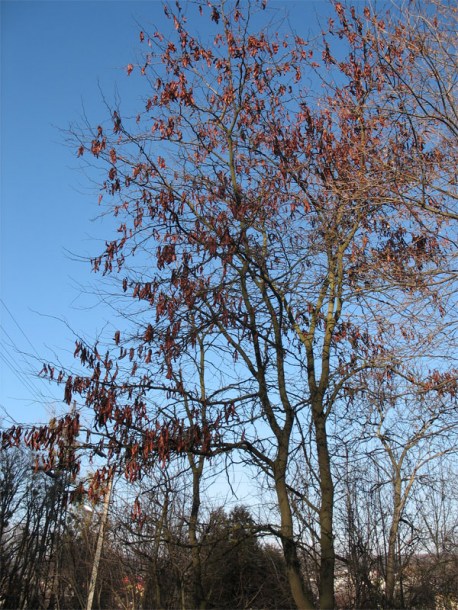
[327,552]
[98,550]
[391,555]
[197,592]
[301,594]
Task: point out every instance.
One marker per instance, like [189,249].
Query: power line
[21,376]
[11,357]
[19,327]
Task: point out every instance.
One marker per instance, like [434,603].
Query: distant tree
[13,490]
[406,433]
[432,576]
[239,571]
[413,429]
[33,509]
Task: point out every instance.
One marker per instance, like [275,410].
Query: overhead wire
[19,327]
[20,376]
[23,376]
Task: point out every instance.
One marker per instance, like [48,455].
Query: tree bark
[327,565]
[98,550]
[391,555]
[302,596]
[197,592]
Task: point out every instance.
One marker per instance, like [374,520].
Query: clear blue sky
[56,57]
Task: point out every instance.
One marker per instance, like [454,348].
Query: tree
[33,509]
[13,491]
[404,429]
[413,431]
[433,577]
[417,50]
[239,571]
[290,230]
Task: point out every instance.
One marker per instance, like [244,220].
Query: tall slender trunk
[155,585]
[197,465]
[390,577]
[302,596]
[100,539]
[327,557]
[197,592]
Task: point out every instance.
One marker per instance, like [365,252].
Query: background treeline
[48,544]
